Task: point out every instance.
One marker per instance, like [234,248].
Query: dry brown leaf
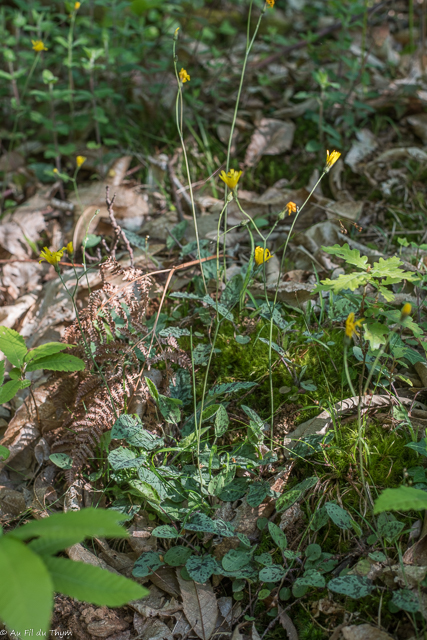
[364,632]
[151,629]
[418,123]
[417,554]
[269,139]
[11,502]
[288,625]
[361,148]
[200,606]
[165,579]
[78,553]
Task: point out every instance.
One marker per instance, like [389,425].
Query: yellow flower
[262,255]
[55,170]
[70,248]
[52,257]
[231,178]
[270,3]
[183,75]
[406,311]
[331,159]
[291,207]
[351,325]
[38,45]
[77,6]
[80,160]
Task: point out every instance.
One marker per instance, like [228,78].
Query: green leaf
[376,334]
[4,453]
[61,460]
[352,586]
[230,387]
[11,388]
[92,584]
[146,564]
[200,568]
[210,411]
[350,281]
[2,369]
[277,535]
[401,499]
[46,350]
[26,588]
[88,522]
[234,490]
[165,531]
[313,552]
[125,426]
[258,491]
[420,447]
[406,600]
[175,332]
[201,522]
[50,545]
[235,559]
[391,271]
[311,578]
[287,499]
[338,515]
[351,256]
[274,573]
[178,233]
[389,527]
[319,520]
[57,362]
[123,458]
[13,346]
[221,421]
[177,555]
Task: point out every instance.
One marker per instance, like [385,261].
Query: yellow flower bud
[406,311]
[331,159]
[80,160]
[183,76]
[262,255]
[38,45]
[77,6]
[70,248]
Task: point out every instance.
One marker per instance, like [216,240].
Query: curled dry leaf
[269,139]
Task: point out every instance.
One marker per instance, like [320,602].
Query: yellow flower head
[55,170]
[406,311]
[183,75]
[52,257]
[231,178]
[291,207]
[331,159]
[80,160]
[70,248]
[270,3]
[262,255]
[351,325]
[77,6]
[38,45]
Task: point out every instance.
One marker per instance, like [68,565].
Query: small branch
[117,228]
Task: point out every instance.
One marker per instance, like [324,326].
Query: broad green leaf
[264,559]
[230,387]
[258,491]
[319,520]
[235,559]
[13,346]
[234,490]
[287,499]
[26,588]
[165,531]
[61,460]
[92,584]
[4,453]
[177,555]
[154,480]
[311,578]
[11,388]
[274,573]
[200,568]
[210,411]
[401,499]
[420,447]
[351,256]
[50,545]
[88,522]
[388,526]
[352,586]
[57,362]
[201,522]
[338,515]
[313,552]
[123,458]
[177,232]
[376,334]
[406,600]
[152,389]
[277,535]
[221,421]
[146,564]
[125,426]
[2,369]
[46,350]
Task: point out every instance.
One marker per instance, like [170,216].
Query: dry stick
[117,228]
[317,36]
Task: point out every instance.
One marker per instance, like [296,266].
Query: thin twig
[117,228]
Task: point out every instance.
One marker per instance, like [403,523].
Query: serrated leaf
[92,584]
[61,460]
[177,555]
[13,346]
[338,515]
[221,421]
[46,349]
[391,271]
[26,596]
[350,281]
[200,568]
[278,536]
[11,388]
[146,564]
[235,559]
[351,256]
[274,573]
[401,499]
[57,362]
[352,586]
